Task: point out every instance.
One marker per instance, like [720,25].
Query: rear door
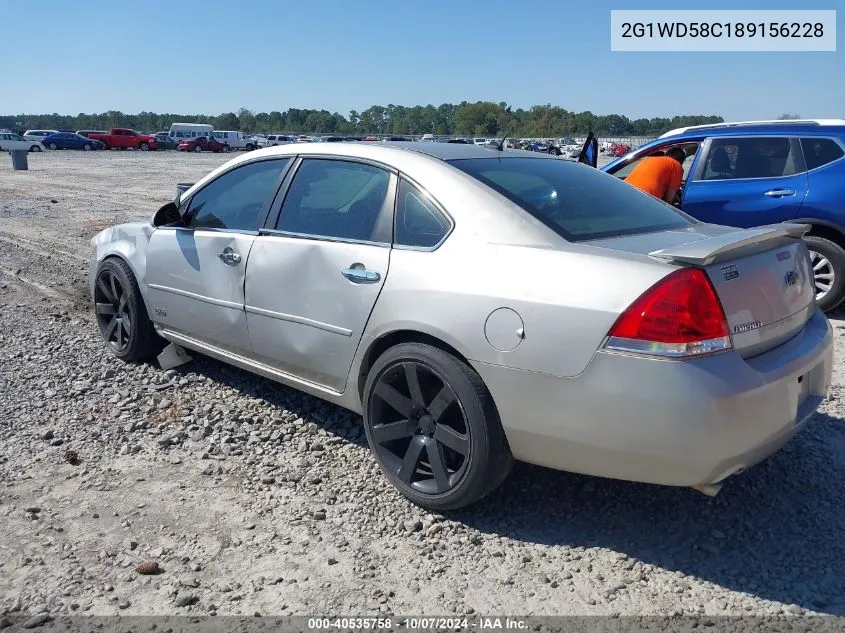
[315,273]
[747,181]
[195,274]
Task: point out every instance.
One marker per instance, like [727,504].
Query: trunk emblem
[729,272]
[790,278]
[739,328]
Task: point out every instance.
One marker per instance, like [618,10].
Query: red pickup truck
[123,138]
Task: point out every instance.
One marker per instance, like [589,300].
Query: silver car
[478,306]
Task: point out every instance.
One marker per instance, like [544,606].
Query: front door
[195,273]
[747,182]
[313,279]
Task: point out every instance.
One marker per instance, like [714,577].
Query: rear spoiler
[736,243]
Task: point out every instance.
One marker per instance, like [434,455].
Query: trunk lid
[762,276]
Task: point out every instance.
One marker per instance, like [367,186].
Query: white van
[185,131]
[236,140]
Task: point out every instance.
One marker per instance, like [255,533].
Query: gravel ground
[254,498]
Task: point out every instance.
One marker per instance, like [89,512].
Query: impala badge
[739,328]
[790,278]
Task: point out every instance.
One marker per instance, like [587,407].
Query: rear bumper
[665,421]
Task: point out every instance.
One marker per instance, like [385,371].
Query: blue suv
[762,172]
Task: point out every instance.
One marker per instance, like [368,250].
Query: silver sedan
[478,306]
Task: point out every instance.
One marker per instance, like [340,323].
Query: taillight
[678,316]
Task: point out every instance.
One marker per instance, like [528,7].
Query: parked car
[10,141]
[202,144]
[163,141]
[235,140]
[71,140]
[279,139]
[124,138]
[701,352]
[755,173]
[38,135]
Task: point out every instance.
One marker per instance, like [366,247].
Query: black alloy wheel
[121,314]
[422,433]
[433,428]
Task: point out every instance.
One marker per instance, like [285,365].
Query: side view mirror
[168,214]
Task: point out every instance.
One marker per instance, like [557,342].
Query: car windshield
[578,202]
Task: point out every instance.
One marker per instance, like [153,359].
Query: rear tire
[197,149]
[457,435]
[828,260]
[124,324]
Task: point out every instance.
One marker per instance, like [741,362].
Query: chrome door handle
[779,193]
[229,256]
[360,275]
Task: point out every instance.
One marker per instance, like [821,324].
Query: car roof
[391,152]
[805,126]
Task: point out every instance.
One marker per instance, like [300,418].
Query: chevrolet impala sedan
[478,306]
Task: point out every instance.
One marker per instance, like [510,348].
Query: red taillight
[678,316]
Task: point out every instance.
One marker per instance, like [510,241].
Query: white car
[38,135]
[10,141]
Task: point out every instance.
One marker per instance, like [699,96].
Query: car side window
[418,222]
[755,157]
[235,199]
[820,151]
[337,199]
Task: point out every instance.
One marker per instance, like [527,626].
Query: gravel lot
[255,498]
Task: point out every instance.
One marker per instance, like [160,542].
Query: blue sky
[213,56]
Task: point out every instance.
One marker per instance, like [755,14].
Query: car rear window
[578,202]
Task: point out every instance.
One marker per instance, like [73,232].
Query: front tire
[145,147]
[87,147]
[828,261]
[121,314]
[52,146]
[433,427]
[35,148]
[249,147]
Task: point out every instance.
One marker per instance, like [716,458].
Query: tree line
[482,118]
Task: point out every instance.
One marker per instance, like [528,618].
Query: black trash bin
[19,159]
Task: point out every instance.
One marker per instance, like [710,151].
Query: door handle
[228,256]
[360,275]
[779,193]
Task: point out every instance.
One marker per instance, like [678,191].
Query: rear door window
[820,151]
[336,199]
[577,202]
[754,157]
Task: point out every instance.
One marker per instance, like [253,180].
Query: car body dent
[128,242]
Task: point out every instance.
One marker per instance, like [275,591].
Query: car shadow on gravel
[776,532]
[330,417]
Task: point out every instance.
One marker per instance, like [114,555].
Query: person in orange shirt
[661,176]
